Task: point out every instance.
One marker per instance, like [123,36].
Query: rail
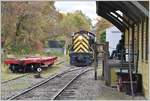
[14,78]
[61,90]
[41,83]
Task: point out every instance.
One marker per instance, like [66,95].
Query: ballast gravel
[86,88]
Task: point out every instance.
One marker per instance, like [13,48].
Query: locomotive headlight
[80,37]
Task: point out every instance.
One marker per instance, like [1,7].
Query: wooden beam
[140,7]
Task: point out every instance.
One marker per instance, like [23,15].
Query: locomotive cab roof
[83,32]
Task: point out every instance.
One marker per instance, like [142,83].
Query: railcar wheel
[12,68]
[32,68]
[39,69]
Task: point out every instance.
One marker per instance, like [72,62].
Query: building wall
[141,44]
[113,35]
[143,66]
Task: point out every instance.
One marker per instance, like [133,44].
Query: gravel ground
[49,89]
[13,87]
[86,88]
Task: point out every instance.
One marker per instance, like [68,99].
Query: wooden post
[107,73]
[103,62]
[95,61]
[137,48]
[103,69]
[129,63]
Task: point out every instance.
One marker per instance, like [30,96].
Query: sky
[87,7]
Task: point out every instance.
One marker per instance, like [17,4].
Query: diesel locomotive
[81,52]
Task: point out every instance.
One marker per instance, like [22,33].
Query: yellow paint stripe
[77,39]
[84,48]
[76,50]
[81,46]
[85,35]
[85,45]
[85,40]
[75,36]
[76,45]
[81,51]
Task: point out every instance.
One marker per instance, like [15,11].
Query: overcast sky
[87,7]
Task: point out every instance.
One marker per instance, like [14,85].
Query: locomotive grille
[81,43]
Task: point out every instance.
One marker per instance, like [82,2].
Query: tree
[103,37]
[101,26]
[26,25]
[73,22]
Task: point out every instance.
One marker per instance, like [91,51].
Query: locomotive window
[147,40]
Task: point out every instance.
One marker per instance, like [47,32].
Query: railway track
[51,87]
[22,82]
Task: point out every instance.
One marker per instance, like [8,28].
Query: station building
[134,24]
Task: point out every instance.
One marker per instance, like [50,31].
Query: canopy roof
[123,14]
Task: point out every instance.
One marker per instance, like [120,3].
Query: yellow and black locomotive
[81,51]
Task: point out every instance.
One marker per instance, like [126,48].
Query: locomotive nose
[80,57]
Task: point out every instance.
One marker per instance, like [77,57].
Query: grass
[55,53]
[54,68]
[6,74]
[20,85]
[51,71]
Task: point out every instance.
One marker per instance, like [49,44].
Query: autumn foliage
[26,26]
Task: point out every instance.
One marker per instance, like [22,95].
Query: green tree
[103,37]
[73,22]
[101,26]
[28,25]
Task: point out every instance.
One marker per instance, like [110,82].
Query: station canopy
[123,14]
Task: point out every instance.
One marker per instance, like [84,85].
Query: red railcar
[30,63]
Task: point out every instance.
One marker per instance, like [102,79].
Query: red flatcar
[30,63]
